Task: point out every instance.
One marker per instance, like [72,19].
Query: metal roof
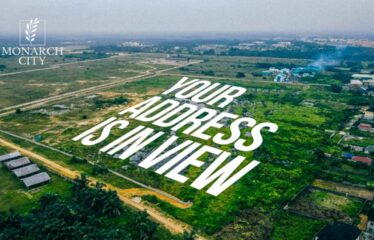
[16,163]
[27,170]
[36,179]
[9,156]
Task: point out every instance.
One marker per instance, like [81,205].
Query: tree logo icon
[31,29]
[32,32]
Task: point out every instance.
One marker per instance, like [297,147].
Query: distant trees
[2,67]
[91,213]
[240,75]
[337,88]
[75,159]
[98,169]
[116,101]
[208,72]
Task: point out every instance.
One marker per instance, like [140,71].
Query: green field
[290,159]
[69,75]
[14,195]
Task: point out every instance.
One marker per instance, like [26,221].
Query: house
[368,115]
[365,160]
[355,84]
[364,127]
[369,149]
[362,76]
[285,71]
[280,77]
[366,236]
[338,231]
[368,83]
[356,148]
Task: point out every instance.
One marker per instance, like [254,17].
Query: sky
[182,16]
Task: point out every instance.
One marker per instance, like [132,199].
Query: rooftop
[9,156]
[36,179]
[27,170]
[366,160]
[16,163]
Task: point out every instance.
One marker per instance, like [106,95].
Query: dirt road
[86,91]
[173,225]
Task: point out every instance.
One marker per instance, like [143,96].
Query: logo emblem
[32,32]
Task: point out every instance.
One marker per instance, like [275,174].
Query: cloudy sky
[169,16]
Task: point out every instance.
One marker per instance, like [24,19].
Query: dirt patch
[82,81]
[363,222]
[324,205]
[350,190]
[109,94]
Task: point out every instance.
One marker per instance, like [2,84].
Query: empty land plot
[350,190]
[230,66]
[29,86]
[326,205]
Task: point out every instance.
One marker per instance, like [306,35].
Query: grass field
[77,75]
[14,195]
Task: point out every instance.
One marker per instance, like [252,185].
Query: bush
[240,75]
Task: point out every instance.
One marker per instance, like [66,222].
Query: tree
[75,159]
[18,111]
[240,75]
[146,228]
[336,88]
[189,235]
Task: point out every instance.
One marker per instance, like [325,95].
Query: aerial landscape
[69,168]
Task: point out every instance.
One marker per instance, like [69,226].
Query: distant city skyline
[192,16]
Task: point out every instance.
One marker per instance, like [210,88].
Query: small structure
[338,231]
[364,127]
[9,156]
[347,155]
[368,234]
[356,148]
[26,171]
[22,168]
[365,160]
[280,77]
[362,76]
[368,115]
[16,163]
[355,84]
[36,180]
[369,149]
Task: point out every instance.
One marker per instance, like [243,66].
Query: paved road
[173,225]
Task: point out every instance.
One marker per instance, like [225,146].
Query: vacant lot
[326,205]
[28,86]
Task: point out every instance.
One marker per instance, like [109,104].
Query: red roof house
[365,160]
[364,127]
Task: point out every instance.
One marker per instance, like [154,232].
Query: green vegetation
[297,153]
[90,213]
[293,227]
[13,194]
